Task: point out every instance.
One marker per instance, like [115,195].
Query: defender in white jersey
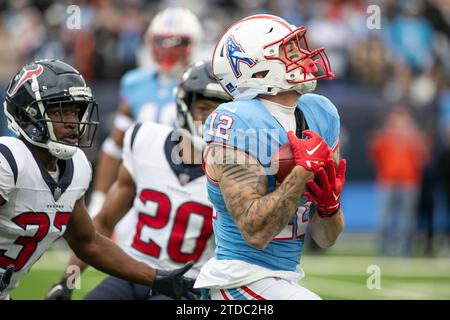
[44,176]
[166,191]
[172,37]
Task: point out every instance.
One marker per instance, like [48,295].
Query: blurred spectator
[8,59]
[399,154]
[369,64]
[444,156]
[53,45]
[106,46]
[82,41]
[130,34]
[25,25]
[397,88]
[328,29]
[411,36]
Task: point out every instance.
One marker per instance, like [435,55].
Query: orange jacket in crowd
[399,151]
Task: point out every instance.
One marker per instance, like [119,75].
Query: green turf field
[333,275]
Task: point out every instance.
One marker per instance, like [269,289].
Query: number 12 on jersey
[225,123]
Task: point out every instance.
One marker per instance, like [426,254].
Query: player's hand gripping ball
[310,153]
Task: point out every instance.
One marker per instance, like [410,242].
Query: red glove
[311,153]
[327,197]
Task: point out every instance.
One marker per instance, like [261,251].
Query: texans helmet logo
[233,50]
[26,74]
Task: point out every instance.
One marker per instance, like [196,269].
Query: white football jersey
[38,208]
[172,220]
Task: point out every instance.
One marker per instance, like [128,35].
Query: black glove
[59,291]
[5,277]
[172,283]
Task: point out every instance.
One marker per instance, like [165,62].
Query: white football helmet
[173,36]
[254,45]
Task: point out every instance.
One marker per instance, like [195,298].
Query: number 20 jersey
[172,220]
[33,217]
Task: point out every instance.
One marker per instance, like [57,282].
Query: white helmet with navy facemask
[37,87]
[253,46]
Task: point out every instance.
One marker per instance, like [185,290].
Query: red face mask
[168,50]
[310,61]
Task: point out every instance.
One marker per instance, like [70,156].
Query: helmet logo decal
[234,57]
[25,76]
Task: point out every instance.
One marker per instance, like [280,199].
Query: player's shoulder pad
[14,151]
[319,102]
[10,151]
[322,117]
[244,111]
[143,133]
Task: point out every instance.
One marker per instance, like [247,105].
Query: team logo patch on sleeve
[235,57]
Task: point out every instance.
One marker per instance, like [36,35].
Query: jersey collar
[185,172]
[65,178]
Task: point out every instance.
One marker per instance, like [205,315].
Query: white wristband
[111,148]
[122,122]
[96,202]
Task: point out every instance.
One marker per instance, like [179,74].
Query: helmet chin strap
[306,87]
[61,151]
[56,149]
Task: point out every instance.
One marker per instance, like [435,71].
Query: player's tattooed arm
[258,214]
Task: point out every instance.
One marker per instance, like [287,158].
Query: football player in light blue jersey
[266,65]
[147,95]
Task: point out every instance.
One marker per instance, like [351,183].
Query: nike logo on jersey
[311,152]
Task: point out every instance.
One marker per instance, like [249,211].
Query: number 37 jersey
[38,208]
[172,221]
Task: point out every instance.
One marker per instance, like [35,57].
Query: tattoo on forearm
[244,186]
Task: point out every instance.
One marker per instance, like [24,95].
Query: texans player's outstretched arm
[106,256]
[101,252]
[118,201]
[259,215]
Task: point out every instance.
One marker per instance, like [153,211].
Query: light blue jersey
[148,97]
[249,126]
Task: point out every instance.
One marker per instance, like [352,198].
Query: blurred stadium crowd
[390,80]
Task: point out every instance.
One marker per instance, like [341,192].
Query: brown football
[283,162]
